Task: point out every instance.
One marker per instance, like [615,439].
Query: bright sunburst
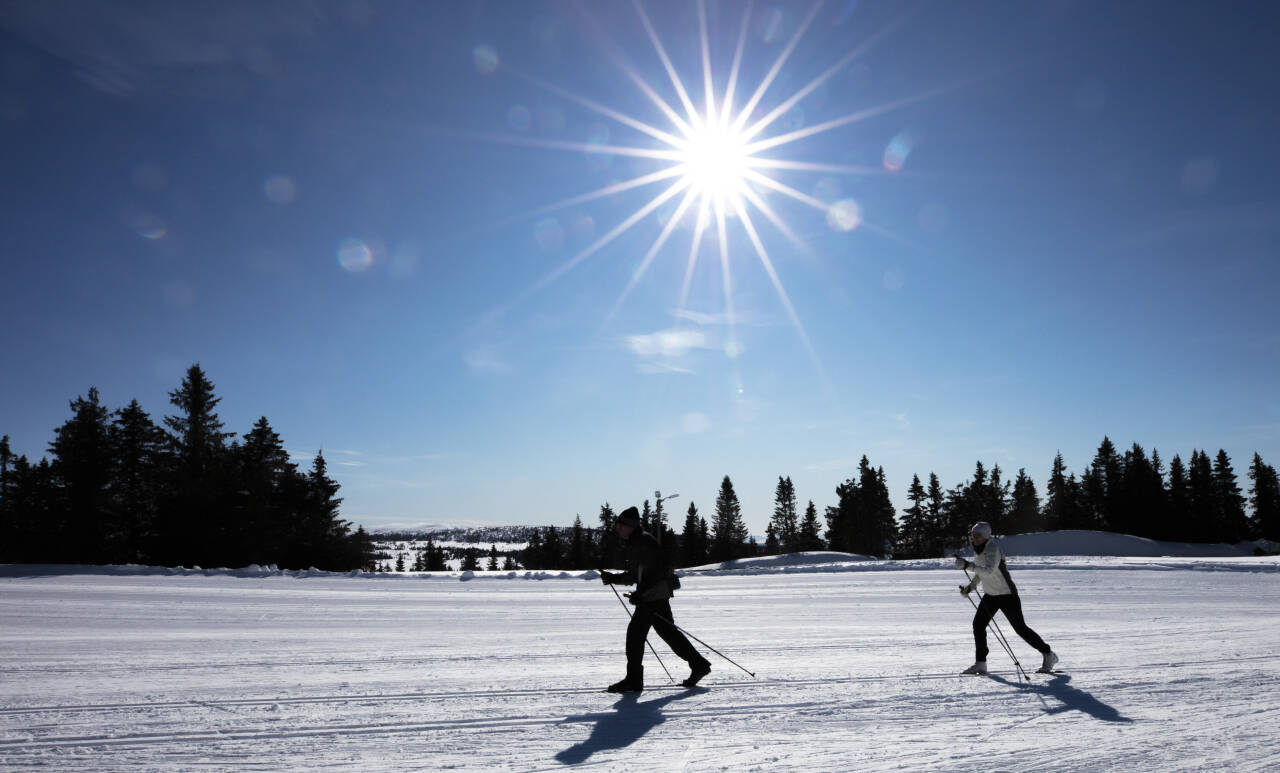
[714,162]
[716,167]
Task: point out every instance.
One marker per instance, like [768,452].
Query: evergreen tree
[784,524]
[646,518]
[864,520]
[82,464]
[693,547]
[771,546]
[262,527]
[1104,486]
[8,530]
[420,559]
[729,532]
[200,472]
[492,566]
[1059,500]
[1228,501]
[1204,518]
[1025,513]
[400,561]
[470,560]
[609,545]
[509,564]
[139,451]
[1264,498]
[1141,501]
[937,531]
[578,543]
[552,549]
[1177,520]
[915,522]
[436,559]
[809,535]
[532,556]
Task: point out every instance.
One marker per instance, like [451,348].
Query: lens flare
[280,189]
[896,154]
[519,118]
[355,256]
[485,58]
[844,215]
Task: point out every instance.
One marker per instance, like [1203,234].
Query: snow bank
[1073,542]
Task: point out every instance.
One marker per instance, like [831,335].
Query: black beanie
[630,517]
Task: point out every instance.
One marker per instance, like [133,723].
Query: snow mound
[810,561]
[1076,542]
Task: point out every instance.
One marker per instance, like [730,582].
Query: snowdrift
[1074,542]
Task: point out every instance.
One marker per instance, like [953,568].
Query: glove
[608,578]
[961,563]
[965,590]
[631,597]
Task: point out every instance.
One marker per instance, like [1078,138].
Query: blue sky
[1049,222]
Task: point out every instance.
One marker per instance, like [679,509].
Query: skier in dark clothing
[655,583]
[1001,594]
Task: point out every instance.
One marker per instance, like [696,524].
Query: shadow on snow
[626,724]
[1071,698]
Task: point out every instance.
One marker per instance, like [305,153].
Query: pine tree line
[116,488]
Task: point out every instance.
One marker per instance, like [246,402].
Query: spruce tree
[936,518]
[492,566]
[1204,518]
[693,548]
[200,473]
[609,545]
[139,451]
[1228,501]
[1176,524]
[577,557]
[810,532]
[552,550]
[784,522]
[729,532]
[400,561]
[1264,498]
[470,560]
[1057,508]
[1025,512]
[509,564]
[82,464]
[915,522]
[771,546]
[1105,486]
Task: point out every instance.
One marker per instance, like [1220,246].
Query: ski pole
[1022,673]
[703,643]
[670,678]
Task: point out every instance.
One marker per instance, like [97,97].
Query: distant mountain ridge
[468,534]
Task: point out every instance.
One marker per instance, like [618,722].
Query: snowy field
[1170,664]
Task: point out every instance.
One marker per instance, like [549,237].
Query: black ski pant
[656,615]
[1011,605]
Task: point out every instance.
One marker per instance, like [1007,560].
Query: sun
[715,162]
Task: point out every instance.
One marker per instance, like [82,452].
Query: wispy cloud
[1255,216]
[667,343]
[483,361]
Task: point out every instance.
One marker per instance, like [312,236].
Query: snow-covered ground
[1171,664]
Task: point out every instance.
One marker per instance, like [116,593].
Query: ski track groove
[412,696]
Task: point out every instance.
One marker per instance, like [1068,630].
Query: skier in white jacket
[999,594]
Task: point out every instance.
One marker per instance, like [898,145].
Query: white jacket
[989,568]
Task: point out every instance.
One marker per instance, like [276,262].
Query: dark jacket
[647,568]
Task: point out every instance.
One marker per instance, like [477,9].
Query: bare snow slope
[1176,667]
